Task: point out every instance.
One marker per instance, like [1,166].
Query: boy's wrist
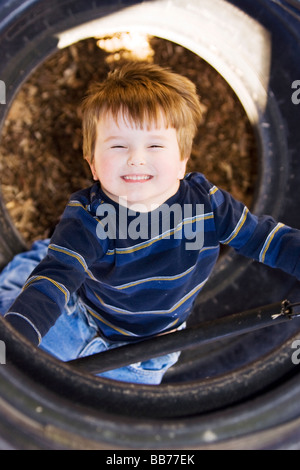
[23,327]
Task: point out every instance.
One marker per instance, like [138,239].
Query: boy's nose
[136,159]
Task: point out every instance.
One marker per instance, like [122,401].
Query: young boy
[120,265]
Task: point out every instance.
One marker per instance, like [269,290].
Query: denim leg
[72,332]
[15,274]
[75,335]
[149,372]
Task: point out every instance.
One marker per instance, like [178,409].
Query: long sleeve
[73,248]
[258,237]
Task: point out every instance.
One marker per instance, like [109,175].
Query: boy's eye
[118,147]
[156,146]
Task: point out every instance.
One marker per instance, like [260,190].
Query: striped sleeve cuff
[24,327]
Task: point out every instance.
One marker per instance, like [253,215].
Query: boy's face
[139,166]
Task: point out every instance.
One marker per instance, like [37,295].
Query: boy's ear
[92,167]
[182,170]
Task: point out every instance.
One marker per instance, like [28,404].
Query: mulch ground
[41,160]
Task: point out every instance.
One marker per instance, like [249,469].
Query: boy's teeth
[136,177]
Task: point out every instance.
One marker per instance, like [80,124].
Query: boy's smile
[139,167]
[136,178]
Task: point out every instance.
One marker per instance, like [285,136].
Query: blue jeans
[74,334]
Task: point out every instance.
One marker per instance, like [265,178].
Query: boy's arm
[258,237]
[73,248]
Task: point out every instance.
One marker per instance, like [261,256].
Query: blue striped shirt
[136,282]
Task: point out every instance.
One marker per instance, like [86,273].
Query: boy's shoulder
[198,181]
[87,193]
[88,197]
[198,188]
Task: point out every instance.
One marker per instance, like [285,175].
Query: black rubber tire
[256,46]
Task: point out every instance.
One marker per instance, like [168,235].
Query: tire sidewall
[30,32]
